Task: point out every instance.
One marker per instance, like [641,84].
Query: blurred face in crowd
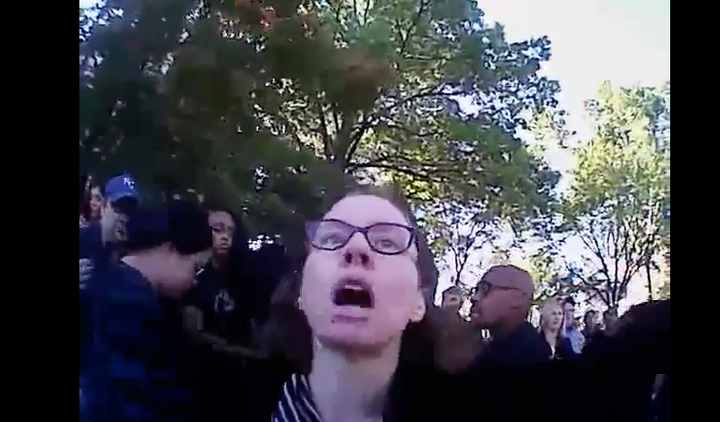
[360,292]
[174,273]
[492,305]
[590,320]
[569,311]
[96,201]
[223,227]
[452,300]
[609,319]
[552,316]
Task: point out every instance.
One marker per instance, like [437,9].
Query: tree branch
[410,29]
[386,166]
[324,133]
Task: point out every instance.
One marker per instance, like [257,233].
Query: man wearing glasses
[501,303]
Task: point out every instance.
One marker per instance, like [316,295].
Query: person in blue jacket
[100,243]
[140,366]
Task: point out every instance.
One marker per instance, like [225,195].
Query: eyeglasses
[383,238]
[484,288]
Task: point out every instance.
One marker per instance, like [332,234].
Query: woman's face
[553,317]
[95,201]
[222,226]
[355,298]
[591,320]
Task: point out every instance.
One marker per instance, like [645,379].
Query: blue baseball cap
[119,187]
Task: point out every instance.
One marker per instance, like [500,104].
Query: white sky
[626,42]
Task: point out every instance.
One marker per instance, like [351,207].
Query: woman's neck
[347,389]
[219,262]
[551,337]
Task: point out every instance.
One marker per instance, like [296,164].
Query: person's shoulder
[90,238]
[209,278]
[125,289]
[265,378]
[535,347]
[511,393]
[415,391]
[207,282]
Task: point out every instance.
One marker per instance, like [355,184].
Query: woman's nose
[356,257]
[357,253]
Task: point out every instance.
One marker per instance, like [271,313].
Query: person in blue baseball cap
[100,242]
[120,198]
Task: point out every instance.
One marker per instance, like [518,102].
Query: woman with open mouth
[363,353]
[361,300]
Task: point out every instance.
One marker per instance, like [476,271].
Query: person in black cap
[139,368]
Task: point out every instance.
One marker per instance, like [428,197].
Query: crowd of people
[180,320]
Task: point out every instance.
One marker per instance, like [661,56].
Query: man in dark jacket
[501,303]
[138,362]
[99,243]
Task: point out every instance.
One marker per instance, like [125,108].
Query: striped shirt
[296,403]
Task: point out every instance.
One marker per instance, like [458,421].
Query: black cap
[183,224]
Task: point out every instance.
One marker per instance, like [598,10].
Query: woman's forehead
[552,307]
[363,210]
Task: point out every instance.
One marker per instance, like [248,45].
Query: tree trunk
[649,280]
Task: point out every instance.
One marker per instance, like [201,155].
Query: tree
[458,233]
[549,277]
[415,132]
[170,91]
[619,191]
[269,104]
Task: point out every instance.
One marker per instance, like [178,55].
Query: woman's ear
[418,310]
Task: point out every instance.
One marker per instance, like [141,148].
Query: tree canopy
[272,105]
[619,195]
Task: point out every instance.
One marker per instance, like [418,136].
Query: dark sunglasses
[383,238]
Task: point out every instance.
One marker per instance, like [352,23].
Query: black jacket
[565,390]
[563,348]
[516,349]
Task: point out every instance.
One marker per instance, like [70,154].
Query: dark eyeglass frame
[485,287]
[312,227]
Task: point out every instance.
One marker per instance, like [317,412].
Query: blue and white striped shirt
[296,403]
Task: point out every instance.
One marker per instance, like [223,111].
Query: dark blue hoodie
[94,258]
[138,362]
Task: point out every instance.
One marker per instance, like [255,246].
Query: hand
[83,222]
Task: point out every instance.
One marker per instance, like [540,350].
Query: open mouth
[353,292]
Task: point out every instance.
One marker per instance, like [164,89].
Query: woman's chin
[348,338]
